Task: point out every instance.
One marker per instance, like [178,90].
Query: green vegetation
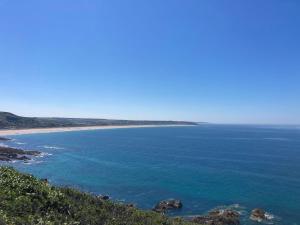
[26,200]
[11,121]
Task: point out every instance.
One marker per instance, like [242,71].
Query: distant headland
[11,124]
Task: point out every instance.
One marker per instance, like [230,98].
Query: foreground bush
[26,200]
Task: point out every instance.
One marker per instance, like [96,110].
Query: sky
[217,61]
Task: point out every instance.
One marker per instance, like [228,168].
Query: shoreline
[70,129]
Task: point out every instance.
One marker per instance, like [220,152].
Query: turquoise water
[205,166]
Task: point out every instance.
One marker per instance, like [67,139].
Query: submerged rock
[23,158]
[167,205]
[219,217]
[258,215]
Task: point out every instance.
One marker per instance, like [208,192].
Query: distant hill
[12,121]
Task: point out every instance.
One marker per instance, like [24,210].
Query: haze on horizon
[210,60]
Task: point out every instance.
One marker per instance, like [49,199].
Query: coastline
[69,129]
[228,213]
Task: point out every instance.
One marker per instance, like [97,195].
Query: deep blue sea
[206,166]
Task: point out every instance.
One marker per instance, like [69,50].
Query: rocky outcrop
[23,158]
[258,215]
[103,197]
[9,154]
[4,139]
[166,205]
[219,217]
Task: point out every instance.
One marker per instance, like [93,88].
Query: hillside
[12,121]
[26,200]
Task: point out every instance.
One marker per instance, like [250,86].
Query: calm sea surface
[205,166]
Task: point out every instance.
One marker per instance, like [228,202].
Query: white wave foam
[51,147]
[43,154]
[3,145]
[269,216]
[277,139]
[237,207]
[32,161]
[20,143]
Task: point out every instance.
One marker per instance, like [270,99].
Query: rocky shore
[4,139]
[219,217]
[166,205]
[230,215]
[10,154]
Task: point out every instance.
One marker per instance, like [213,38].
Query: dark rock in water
[8,150]
[258,215]
[103,197]
[224,213]
[167,205]
[219,217]
[34,153]
[8,154]
[23,158]
[4,139]
[4,158]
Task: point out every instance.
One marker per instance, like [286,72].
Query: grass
[26,200]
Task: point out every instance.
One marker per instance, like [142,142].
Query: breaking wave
[51,147]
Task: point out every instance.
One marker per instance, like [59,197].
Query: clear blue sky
[234,61]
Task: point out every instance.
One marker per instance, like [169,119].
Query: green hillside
[26,200]
[12,121]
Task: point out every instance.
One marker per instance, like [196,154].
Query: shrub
[26,200]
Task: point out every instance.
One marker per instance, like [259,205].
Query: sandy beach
[68,129]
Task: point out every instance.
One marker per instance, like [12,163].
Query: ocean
[206,166]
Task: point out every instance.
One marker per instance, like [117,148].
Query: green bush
[26,200]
